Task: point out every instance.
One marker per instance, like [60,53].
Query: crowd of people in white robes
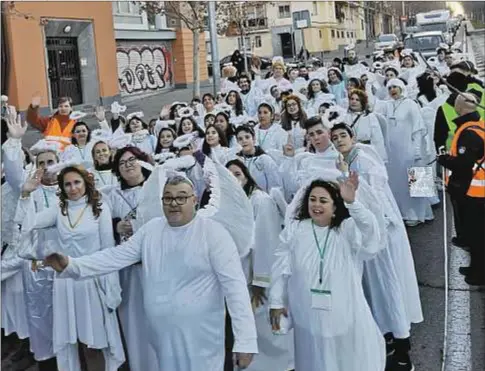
[280,203]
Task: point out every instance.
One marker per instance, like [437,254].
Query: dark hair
[158,148]
[244,75]
[195,100]
[93,196]
[29,159]
[76,125]
[92,154]
[356,82]
[47,151]
[138,153]
[341,212]
[337,72]
[426,86]
[363,98]
[313,121]
[251,184]
[238,107]
[175,107]
[128,128]
[208,95]
[248,129]
[286,118]
[229,132]
[267,105]
[342,126]
[222,139]
[195,127]
[311,93]
[62,100]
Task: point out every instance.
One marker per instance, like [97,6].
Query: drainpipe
[4,60]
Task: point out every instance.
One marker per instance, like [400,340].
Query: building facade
[60,49]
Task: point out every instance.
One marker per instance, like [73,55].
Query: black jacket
[470,149]
[441,126]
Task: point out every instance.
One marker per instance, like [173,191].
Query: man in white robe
[190,265]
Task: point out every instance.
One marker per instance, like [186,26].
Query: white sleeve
[226,263]
[272,173]
[108,260]
[289,176]
[281,270]
[11,266]
[43,219]
[13,163]
[266,240]
[377,139]
[362,223]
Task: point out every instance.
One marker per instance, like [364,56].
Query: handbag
[421,182]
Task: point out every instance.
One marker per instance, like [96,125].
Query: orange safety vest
[53,132]
[477,185]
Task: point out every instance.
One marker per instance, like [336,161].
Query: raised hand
[57,261]
[33,182]
[348,187]
[342,165]
[289,148]
[165,112]
[16,129]
[35,101]
[100,113]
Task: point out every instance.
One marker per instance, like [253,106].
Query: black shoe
[474,280]
[458,242]
[403,366]
[465,271]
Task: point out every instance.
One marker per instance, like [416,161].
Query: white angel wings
[228,204]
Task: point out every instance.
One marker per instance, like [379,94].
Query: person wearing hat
[465,182]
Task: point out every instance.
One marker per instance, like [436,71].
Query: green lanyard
[264,139]
[46,200]
[320,251]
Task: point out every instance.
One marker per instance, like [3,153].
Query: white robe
[276,352]
[84,310]
[264,171]
[147,143]
[405,143]
[273,138]
[367,129]
[251,100]
[141,354]
[345,337]
[390,281]
[188,271]
[80,155]
[103,178]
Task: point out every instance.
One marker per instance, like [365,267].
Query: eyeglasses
[131,161]
[179,200]
[292,105]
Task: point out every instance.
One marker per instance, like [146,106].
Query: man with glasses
[190,265]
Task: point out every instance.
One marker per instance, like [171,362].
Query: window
[125,7]
[348,34]
[333,33]
[320,33]
[257,42]
[315,8]
[361,24]
[247,41]
[338,34]
[284,11]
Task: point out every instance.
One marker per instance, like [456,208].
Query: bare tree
[241,17]
[193,14]
[9,9]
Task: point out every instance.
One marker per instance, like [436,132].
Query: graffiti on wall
[143,69]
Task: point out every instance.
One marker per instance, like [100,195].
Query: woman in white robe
[215,145]
[317,94]
[293,120]
[141,138]
[102,169]
[406,148]
[364,123]
[124,200]
[276,352]
[269,135]
[222,121]
[84,311]
[261,166]
[394,308]
[79,151]
[316,280]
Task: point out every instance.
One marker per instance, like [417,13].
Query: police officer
[465,166]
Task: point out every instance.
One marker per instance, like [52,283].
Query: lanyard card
[321,299]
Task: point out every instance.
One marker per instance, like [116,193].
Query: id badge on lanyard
[321,296]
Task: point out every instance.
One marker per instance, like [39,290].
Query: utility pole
[216,71]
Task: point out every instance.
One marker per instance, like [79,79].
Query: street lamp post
[216,71]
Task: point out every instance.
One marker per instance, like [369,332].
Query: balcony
[255,24]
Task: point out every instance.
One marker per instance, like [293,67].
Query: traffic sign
[302,19]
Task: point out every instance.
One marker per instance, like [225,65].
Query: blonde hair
[279,64]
